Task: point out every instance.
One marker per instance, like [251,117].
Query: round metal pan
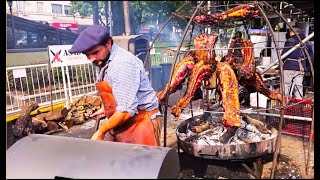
[227,151]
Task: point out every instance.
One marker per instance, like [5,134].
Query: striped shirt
[130,84]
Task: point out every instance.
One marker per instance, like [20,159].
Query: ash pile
[207,130]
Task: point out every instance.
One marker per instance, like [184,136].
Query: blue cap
[89,37]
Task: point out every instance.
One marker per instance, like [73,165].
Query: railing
[32,83]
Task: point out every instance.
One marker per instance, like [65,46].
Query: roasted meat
[228,89]
[241,11]
[256,84]
[205,42]
[199,73]
[247,68]
[180,72]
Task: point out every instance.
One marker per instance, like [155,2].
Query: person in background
[129,101]
[294,66]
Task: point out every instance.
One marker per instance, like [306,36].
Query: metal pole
[175,61]
[110,18]
[310,141]
[13,28]
[277,115]
[287,53]
[278,141]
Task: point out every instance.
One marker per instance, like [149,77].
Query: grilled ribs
[228,89]
[199,73]
[241,11]
[180,72]
[205,41]
[247,68]
[256,84]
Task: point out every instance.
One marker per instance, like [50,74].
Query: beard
[101,62]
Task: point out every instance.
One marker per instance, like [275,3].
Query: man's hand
[98,136]
[99,114]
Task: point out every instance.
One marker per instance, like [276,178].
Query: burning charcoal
[261,126]
[264,136]
[250,128]
[247,136]
[201,127]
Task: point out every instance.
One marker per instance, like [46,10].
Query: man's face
[291,33]
[99,54]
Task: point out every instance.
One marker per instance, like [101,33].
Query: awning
[63,25]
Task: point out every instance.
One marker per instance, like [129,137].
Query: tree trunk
[95,12]
[126,17]
[106,12]
[117,18]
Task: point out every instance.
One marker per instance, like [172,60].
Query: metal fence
[32,83]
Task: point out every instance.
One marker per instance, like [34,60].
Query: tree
[126,17]
[81,8]
[148,12]
[88,8]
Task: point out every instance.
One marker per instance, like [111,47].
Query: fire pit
[206,144]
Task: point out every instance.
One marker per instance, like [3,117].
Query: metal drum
[47,157]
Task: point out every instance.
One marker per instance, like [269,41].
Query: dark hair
[104,41]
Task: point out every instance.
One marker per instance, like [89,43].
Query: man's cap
[89,37]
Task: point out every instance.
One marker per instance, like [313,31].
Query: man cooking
[295,65]
[129,101]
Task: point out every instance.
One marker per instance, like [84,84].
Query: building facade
[55,13]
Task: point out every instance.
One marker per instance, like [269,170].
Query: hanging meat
[192,62]
[235,68]
[238,12]
[228,89]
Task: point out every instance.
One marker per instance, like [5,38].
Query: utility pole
[126,18]
[95,12]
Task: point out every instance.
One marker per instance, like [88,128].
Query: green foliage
[84,9]
[148,12]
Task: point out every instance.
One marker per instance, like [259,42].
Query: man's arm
[115,120]
[287,46]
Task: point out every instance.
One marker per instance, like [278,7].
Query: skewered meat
[246,74]
[228,88]
[205,41]
[180,72]
[198,74]
[241,11]
[247,68]
[256,84]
